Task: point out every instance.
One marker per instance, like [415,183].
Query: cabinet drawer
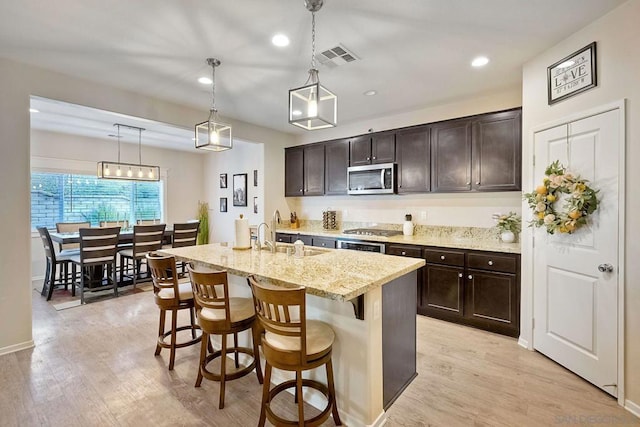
[283,237]
[404,250]
[485,261]
[444,257]
[323,242]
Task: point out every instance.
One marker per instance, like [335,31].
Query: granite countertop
[334,274]
[481,242]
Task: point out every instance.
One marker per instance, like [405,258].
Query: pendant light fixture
[213,135]
[128,171]
[313,106]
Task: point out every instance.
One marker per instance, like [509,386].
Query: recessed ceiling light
[280,40]
[33,110]
[205,80]
[370,93]
[296,112]
[480,61]
[566,64]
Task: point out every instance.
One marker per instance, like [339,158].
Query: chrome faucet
[266,242]
[275,220]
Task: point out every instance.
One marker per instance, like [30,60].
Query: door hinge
[533,323]
[534,160]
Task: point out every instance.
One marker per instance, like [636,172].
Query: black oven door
[361,246]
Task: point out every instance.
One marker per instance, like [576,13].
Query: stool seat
[240,309]
[184,292]
[320,338]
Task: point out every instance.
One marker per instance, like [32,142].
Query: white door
[575,304]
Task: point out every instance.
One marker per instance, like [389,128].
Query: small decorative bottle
[298,248]
[407,227]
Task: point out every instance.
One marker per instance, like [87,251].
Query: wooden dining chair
[53,261]
[220,314]
[148,221]
[70,227]
[97,259]
[185,234]
[146,238]
[171,296]
[291,342]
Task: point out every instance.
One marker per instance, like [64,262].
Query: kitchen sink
[307,251]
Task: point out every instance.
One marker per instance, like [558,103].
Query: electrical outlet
[423,215]
[376,310]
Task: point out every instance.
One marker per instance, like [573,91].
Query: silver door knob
[403,253]
[469,277]
[442,257]
[374,157]
[605,268]
[490,263]
[459,274]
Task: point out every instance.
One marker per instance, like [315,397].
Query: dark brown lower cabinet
[323,242]
[480,289]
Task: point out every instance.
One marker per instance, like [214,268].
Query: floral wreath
[580,203]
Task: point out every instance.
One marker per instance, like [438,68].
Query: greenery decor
[580,201]
[510,222]
[203,216]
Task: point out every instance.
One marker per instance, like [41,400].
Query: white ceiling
[414,53]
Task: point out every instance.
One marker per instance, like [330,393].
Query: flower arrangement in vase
[508,225]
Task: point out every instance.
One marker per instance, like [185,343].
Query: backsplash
[435,231]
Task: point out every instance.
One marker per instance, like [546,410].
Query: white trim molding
[17,347]
[632,407]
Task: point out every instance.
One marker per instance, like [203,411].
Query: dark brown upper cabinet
[451,156]
[496,153]
[304,171]
[372,149]
[413,156]
[336,155]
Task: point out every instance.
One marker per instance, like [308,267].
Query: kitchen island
[374,357]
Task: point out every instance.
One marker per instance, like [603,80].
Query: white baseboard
[523,343]
[380,421]
[17,347]
[632,407]
[37,283]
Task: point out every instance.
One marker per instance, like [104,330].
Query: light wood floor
[94,366]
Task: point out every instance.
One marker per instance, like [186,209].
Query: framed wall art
[240,189]
[223,204]
[255,205]
[223,180]
[255,177]
[572,75]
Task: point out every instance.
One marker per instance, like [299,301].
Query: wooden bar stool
[219,314]
[170,295]
[292,343]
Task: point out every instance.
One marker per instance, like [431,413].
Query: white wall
[465,210]
[20,81]
[244,158]
[181,172]
[618,58]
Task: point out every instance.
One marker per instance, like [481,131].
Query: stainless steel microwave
[372,179]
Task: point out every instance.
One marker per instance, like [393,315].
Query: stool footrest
[315,421]
[163,344]
[216,376]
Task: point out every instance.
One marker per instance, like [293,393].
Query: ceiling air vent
[335,56]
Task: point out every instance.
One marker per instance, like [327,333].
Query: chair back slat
[122,224]
[147,238]
[162,269]
[70,227]
[211,290]
[47,243]
[281,311]
[185,234]
[148,221]
[98,245]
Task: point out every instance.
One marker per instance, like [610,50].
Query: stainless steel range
[373,232]
[360,245]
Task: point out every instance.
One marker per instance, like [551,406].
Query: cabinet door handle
[368,158]
[490,262]
[459,274]
[300,190]
[324,244]
[403,253]
[477,182]
[469,277]
[468,182]
[442,257]
[374,157]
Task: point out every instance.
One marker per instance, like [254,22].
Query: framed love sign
[572,74]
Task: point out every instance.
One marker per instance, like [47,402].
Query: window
[61,197]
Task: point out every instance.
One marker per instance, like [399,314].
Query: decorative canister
[298,248]
[407,227]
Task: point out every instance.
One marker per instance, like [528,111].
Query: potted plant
[509,226]
[203,216]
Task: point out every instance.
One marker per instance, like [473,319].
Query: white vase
[508,237]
